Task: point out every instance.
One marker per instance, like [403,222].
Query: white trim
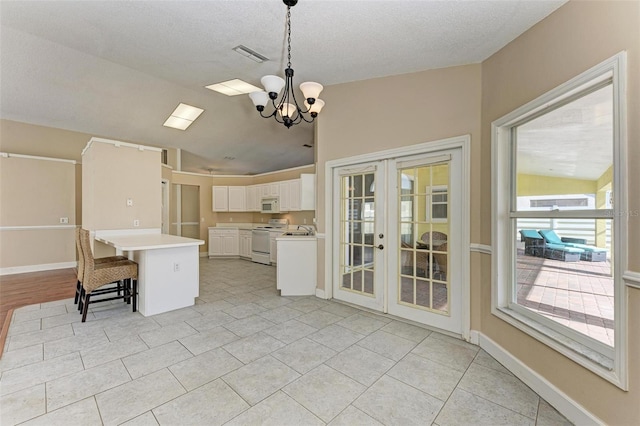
[35,157]
[119,144]
[464,143]
[35,227]
[246,176]
[631,279]
[474,337]
[480,248]
[320,293]
[321,235]
[37,268]
[166,166]
[569,408]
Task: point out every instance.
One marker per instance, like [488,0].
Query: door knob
[380,246]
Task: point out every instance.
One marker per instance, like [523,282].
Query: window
[437,197]
[556,253]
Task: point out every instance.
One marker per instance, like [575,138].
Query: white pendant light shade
[316,107]
[259,98]
[272,83]
[311,89]
[288,110]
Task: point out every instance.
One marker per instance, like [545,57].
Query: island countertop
[149,241]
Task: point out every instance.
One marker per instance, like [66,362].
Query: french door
[424,275]
[397,237]
[359,234]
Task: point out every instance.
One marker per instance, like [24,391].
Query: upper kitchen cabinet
[251,198]
[229,199]
[237,199]
[302,194]
[284,190]
[220,198]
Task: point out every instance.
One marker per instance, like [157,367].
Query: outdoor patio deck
[576,294]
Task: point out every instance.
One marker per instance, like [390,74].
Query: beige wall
[400,111]
[110,176]
[36,192]
[576,37]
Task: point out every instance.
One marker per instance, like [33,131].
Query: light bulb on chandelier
[286,110]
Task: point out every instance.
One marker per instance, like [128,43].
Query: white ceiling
[118,68]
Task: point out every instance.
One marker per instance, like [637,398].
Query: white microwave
[269,205]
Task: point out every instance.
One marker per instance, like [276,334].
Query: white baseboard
[569,408]
[474,337]
[320,293]
[36,268]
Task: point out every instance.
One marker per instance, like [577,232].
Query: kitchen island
[168,268]
[297,265]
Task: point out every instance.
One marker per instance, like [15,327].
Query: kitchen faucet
[308,229]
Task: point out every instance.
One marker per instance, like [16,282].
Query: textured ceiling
[118,68]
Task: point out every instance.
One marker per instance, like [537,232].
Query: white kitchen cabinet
[251,197]
[307,191]
[284,191]
[294,195]
[298,259]
[220,198]
[263,191]
[274,189]
[245,243]
[273,245]
[223,242]
[302,193]
[237,198]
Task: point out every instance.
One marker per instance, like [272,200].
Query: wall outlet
[176,267]
[304,221]
[314,220]
[129,202]
[230,219]
[64,220]
[136,222]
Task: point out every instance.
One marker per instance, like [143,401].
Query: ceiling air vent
[251,54]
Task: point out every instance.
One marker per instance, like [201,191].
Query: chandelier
[286,110]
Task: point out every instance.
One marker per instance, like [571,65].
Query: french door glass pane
[423,232]
[357,229]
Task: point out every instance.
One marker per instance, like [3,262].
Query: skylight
[233,87]
[183,116]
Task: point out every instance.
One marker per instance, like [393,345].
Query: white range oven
[261,240]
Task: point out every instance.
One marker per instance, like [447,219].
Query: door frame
[464,143]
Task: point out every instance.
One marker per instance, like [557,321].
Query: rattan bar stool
[96,276]
[80,268]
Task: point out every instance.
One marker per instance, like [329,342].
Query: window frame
[608,363]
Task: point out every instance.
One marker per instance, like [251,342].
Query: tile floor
[245,356]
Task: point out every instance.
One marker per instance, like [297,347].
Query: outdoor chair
[589,253]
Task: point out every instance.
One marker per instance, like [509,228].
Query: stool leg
[85,306]
[81,300]
[78,287]
[128,290]
[135,295]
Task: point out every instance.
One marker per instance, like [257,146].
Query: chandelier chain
[289,36]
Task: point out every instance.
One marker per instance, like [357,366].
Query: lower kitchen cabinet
[245,243]
[223,242]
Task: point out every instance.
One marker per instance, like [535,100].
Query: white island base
[168,269]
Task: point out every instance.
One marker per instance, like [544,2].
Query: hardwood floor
[35,287]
